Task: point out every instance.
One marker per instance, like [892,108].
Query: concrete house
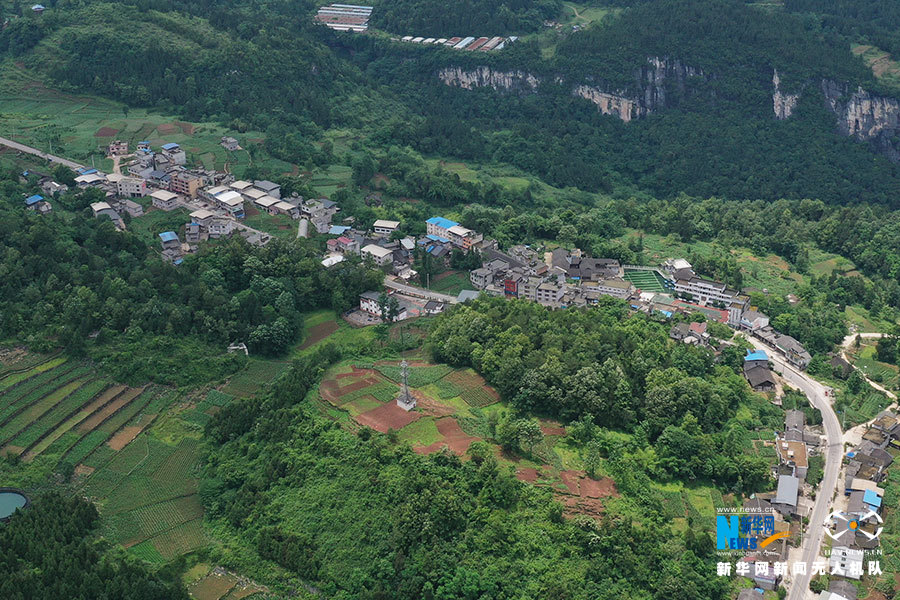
[793,351]
[794,455]
[185,183]
[117,148]
[103,209]
[846,562]
[174,153]
[794,423]
[368,302]
[230,144]
[381,256]
[131,187]
[751,320]
[385,227]
[164,200]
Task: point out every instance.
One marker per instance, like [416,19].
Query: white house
[381,256]
[164,199]
[385,227]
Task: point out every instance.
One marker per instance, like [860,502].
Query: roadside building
[788,491]
[846,562]
[793,351]
[103,209]
[286,208]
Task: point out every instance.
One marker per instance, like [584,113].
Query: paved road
[815,533]
[418,292]
[40,153]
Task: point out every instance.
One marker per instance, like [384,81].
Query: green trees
[51,552]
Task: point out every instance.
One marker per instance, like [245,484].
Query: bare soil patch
[527,474]
[430,406]
[553,429]
[454,438]
[319,333]
[213,586]
[593,488]
[389,416]
[106,132]
[570,479]
[250,209]
[167,128]
[123,437]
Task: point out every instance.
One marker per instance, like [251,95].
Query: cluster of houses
[471,43]
[793,448]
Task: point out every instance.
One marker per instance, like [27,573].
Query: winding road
[815,533]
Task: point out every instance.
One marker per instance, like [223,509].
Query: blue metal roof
[437,238]
[337,229]
[170,146]
[871,498]
[178,261]
[168,236]
[89,171]
[33,200]
[144,142]
[442,222]
[757,355]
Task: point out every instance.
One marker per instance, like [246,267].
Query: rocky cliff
[864,116]
[517,81]
[662,82]
[782,102]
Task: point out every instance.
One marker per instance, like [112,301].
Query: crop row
[151,520]
[15,378]
[32,412]
[11,397]
[59,413]
[23,364]
[85,401]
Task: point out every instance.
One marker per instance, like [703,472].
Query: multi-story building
[131,187]
[174,153]
[453,231]
[385,227]
[164,199]
[549,294]
[117,148]
[185,183]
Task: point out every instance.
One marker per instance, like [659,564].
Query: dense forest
[872,22]
[50,550]
[616,370]
[361,517]
[65,279]
[472,17]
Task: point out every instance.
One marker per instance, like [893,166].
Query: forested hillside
[481,17]
[363,518]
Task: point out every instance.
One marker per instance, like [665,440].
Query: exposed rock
[660,84]
[782,102]
[864,116]
[612,103]
[487,77]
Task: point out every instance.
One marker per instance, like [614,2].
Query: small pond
[10,500]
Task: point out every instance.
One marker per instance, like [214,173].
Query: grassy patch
[423,432]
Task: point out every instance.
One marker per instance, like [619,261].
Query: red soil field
[124,437]
[167,128]
[432,407]
[389,416]
[106,132]
[527,474]
[454,438]
[553,429]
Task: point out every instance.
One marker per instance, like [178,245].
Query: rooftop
[170,146]
[168,236]
[442,222]
[757,355]
[376,251]
[788,488]
[33,199]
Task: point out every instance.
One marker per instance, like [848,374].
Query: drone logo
[843,524]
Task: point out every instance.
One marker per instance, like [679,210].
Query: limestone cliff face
[658,84]
[661,83]
[864,116]
[486,77]
[782,102]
